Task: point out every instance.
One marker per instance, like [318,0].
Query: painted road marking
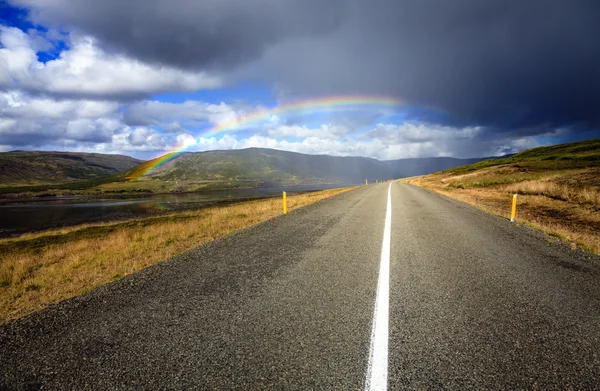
[377,371]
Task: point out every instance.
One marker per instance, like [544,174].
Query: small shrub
[5,278]
[455,185]
[32,287]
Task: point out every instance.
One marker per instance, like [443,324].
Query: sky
[386,79]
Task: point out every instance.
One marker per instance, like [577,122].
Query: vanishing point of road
[385,286]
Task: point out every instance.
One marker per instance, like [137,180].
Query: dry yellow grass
[563,204]
[581,195]
[37,270]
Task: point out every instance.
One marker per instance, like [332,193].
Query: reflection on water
[24,216]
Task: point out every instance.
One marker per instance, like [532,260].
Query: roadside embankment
[37,270]
[563,202]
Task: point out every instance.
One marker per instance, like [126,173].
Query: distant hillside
[31,168]
[582,154]
[271,167]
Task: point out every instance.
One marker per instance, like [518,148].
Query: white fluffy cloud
[43,123]
[15,104]
[34,122]
[86,70]
[412,133]
[310,145]
[325,131]
[74,102]
[26,120]
[384,141]
[412,139]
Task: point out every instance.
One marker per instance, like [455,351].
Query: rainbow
[312,106]
[151,165]
[309,106]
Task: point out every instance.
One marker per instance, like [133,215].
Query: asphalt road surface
[348,293]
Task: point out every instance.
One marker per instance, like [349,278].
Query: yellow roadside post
[284,203]
[419,183]
[513,214]
[366,182]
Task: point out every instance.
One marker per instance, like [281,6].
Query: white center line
[377,371]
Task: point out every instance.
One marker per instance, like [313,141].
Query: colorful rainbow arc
[328,104]
[153,164]
[319,105]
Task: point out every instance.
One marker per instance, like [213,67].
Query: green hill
[580,154]
[35,168]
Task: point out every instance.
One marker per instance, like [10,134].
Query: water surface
[33,215]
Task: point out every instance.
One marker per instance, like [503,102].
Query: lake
[20,216]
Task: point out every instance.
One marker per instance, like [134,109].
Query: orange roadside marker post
[513,213]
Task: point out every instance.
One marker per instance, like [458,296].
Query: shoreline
[117,210]
[21,198]
[124,219]
[95,191]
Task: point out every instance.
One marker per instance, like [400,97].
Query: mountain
[267,167]
[30,168]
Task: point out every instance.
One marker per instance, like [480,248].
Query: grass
[558,189]
[40,269]
[582,195]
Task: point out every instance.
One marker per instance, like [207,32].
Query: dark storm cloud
[191,33]
[502,64]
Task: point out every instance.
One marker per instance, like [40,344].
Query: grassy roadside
[578,224]
[37,270]
[558,189]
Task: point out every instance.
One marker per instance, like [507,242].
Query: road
[465,300]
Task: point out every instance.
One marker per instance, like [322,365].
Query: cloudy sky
[380,78]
